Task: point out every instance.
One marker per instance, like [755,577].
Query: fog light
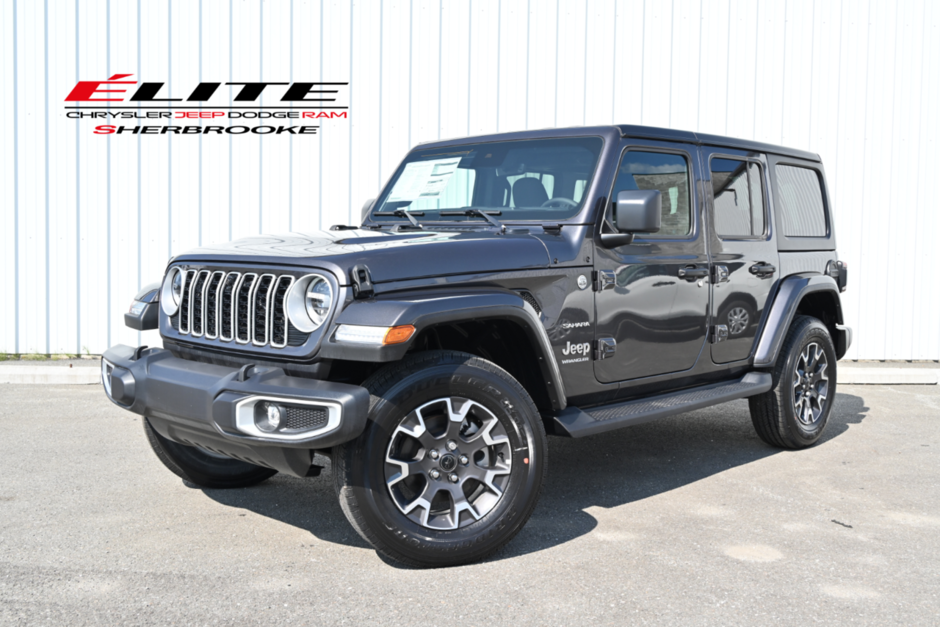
[268,417]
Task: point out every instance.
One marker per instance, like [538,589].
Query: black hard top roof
[668,134]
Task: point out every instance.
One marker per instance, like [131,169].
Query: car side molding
[791,292]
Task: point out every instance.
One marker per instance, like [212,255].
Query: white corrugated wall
[88,219]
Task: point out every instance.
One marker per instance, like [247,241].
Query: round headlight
[172,292]
[309,302]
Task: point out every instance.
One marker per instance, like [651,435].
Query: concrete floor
[688,521]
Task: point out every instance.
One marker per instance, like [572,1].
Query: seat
[528,192]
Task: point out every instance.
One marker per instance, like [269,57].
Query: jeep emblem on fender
[582,282]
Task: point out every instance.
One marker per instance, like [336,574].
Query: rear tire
[205,469]
[795,412]
[451,464]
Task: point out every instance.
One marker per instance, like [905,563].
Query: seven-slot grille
[247,308]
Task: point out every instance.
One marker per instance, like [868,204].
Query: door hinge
[720,274]
[718,333]
[604,348]
[603,279]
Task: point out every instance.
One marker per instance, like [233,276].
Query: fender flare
[427,309]
[789,294]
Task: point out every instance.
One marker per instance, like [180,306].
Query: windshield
[539,179]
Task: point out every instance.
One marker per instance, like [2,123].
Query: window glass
[801,204]
[668,173]
[521,179]
[739,198]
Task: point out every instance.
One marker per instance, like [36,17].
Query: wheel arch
[808,294]
[496,324]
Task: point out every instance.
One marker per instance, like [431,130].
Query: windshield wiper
[486,214]
[401,213]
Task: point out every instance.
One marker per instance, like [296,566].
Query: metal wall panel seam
[499,42]
[411,45]
[349,178]
[557,14]
[440,49]
[169,137]
[469,61]
[381,130]
[139,209]
[894,92]
[290,140]
[45,61]
[200,126]
[230,79]
[107,65]
[320,164]
[643,62]
[16,191]
[861,220]
[78,206]
[920,117]
[260,103]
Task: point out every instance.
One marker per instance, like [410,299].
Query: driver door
[652,295]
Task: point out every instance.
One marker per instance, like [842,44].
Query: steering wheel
[559,201]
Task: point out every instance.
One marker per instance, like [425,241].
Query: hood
[390,256]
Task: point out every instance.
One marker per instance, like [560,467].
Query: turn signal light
[397,335]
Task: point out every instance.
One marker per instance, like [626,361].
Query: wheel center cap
[448,462]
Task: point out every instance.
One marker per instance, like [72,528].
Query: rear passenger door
[742,249]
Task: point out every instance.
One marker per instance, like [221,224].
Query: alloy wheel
[810,384]
[448,463]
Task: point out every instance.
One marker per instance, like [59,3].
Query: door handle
[691,273]
[762,269]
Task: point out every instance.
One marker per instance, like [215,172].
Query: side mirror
[636,211]
[366,208]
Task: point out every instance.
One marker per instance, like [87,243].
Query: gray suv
[565,282]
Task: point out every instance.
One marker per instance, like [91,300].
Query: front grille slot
[279,311]
[211,299]
[196,302]
[261,306]
[226,306]
[230,306]
[242,308]
[184,301]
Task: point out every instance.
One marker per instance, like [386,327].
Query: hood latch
[361,282]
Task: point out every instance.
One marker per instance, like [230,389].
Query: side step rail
[577,423]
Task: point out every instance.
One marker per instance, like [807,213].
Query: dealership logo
[300,100]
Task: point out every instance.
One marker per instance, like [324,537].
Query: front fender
[791,292]
[425,310]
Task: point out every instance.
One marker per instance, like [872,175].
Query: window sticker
[424,179]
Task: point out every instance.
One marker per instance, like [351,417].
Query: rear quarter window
[802,211]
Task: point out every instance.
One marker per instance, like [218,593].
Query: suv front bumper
[198,404]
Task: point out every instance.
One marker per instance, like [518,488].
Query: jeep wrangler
[565,282]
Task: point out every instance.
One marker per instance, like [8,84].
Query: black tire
[201,468]
[774,413]
[361,473]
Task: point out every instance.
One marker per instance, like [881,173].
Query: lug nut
[464,460]
[433,454]
[435,473]
[453,478]
[451,445]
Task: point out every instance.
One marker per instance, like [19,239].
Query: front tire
[451,464]
[204,468]
[795,412]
